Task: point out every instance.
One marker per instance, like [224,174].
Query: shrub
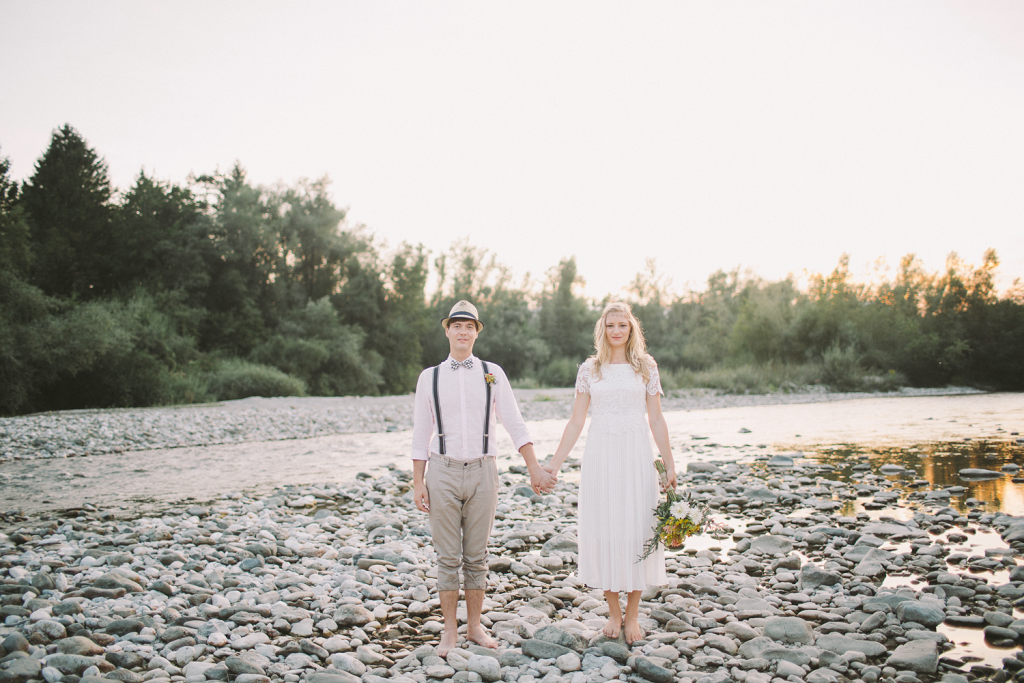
[237,378]
[841,369]
[560,372]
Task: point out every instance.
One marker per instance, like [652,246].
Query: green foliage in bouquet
[677,518]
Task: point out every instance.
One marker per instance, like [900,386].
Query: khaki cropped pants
[463,496]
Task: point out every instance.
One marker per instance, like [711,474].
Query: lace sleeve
[583,378]
[654,385]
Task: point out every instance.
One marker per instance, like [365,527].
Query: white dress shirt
[463,396]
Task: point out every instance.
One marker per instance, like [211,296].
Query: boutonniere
[489,378]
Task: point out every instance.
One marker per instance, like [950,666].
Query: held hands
[542,480]
[421,497]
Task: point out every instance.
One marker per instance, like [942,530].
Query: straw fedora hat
[463,310]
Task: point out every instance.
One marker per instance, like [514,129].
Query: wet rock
[920,613]
[978,474]
[917,655]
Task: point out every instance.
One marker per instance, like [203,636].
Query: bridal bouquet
[677,518]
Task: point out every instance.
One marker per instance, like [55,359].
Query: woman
[618,484]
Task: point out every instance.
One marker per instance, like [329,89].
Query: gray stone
[243,665]
[348,664]
[977,474]
[121,627]
[116,579]
[487,667]
[921,656]
[998,618]
[920,613]
[333,677]
[702,468]
[70,664]
[785,669]
[22,669]
[569,663]
[811,577]
[615,650]
[766,648]
[741,631]
[561,636]
[78,645]
[563,543]
[653,672]
[789,630]
[542,649]
[837,643]
[772,544]
[352,615]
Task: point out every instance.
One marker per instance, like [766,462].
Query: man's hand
[542,481]
[421,497]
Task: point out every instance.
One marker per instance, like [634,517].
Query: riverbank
[78,433]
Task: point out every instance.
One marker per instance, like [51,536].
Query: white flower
[694,516]
[680,509]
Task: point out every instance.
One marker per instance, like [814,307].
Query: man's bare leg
[474,629]
[449,610]
[632,623]
[614,625]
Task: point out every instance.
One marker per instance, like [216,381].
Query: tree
[68,204]
[15,247]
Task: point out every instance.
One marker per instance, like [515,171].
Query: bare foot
[612,628]
[478,634]
[633,631]
[449,639]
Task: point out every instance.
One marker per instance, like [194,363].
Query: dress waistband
[454,462]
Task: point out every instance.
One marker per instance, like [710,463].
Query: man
[454,428]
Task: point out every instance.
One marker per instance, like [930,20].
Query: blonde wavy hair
[636,345]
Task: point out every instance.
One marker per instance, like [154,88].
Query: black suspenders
[487,410]
[437,411]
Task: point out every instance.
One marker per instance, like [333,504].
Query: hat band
[462,314]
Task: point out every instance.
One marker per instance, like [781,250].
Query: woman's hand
[670,472]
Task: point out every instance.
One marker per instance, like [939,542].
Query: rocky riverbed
[336,584]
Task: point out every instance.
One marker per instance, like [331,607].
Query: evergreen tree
[15,248]
[68,204]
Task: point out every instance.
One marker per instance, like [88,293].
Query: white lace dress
[618,482]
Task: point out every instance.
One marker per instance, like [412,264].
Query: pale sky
[771,136]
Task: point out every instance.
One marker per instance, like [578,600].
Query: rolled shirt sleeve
[506,409]
[423,418]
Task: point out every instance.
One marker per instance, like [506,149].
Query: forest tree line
[218,288]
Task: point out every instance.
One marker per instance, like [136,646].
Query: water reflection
[938,464]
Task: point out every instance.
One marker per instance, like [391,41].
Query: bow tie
[468,364]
